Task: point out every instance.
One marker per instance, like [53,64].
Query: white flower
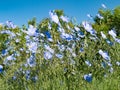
[50,39]
[61,30]
[118,63]
[88,63]
[49,49]
[77,29]
[61,47]
[117,40]
[103,35]
[9,58]
[111,70]
[87,26]
[47,55]
[9,33]
[59,56]
[68,27]
[66,36]
[104,55]
[1,68]
[65,19]
[31,31]
[99,16]
[10,24]
[31,61]
[32,46]
[112,33]
[49,26]
[17,40]
[54,17]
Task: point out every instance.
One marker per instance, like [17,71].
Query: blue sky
[20,11]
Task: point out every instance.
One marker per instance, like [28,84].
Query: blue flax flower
[88,28]
[88,63]
[60,56]
[65,19]
[31,61]
[54,17]
[88,77]
[112,33]
[32,31]
[47,55]
[1,68]
[109,42]
[66,36]
[104,55]
[118,63]
[9,24]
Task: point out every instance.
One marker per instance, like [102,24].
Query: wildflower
[111,70]
[109,42]
[14,78]
[31,61]
[103,35]
[81,34]
[65,19]
[117,40]
[66,36]
[32,46]
[99,16]
[68,26]
[112,33]
[76,28]
[88,28]
[1,68]
[10,24]
[104,55]
[88,77]
[31,31]
[118,63]
[54,17]
[10,57]
[61,30]
[61,47]
[17,40]
[27,74]
[60,56]
[81,49]
[9,33]
[47,47]
[109,64]
[4,52]
[9,60]
[88,63]
[48,35]
[49,26]
[34,79]
[47,55]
